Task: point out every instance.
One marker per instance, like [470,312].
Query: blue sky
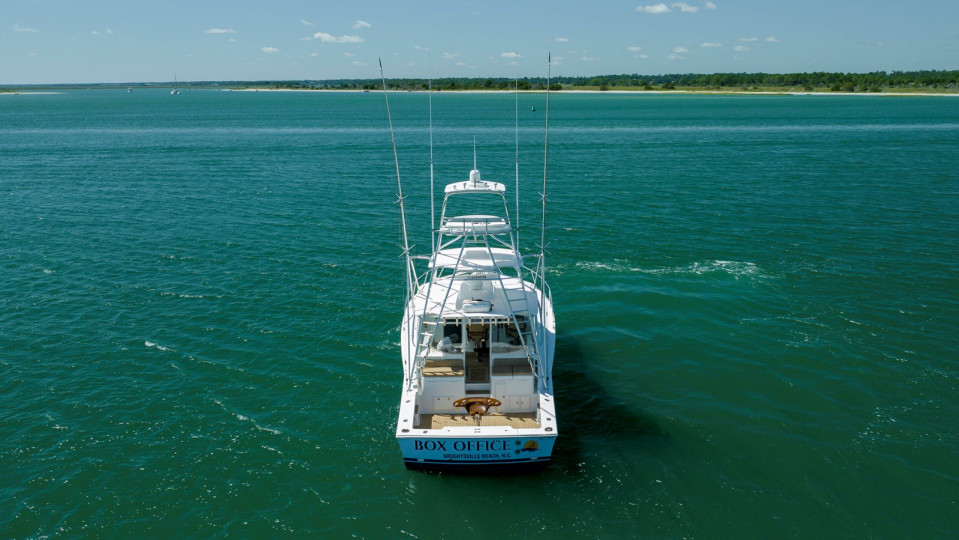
[76,41]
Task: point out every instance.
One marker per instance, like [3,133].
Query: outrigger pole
[429,72]
[542,245]
[544,345]
[410,275]
[516,148]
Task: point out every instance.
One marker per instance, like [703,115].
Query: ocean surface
[757,301]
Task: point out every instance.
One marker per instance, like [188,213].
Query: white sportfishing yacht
[477,341]
[478,337]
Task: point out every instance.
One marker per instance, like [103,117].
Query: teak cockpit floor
[514,420]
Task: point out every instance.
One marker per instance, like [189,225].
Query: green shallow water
[756,300]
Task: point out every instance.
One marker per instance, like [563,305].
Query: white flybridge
[477,341]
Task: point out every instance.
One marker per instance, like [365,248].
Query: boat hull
[513,454]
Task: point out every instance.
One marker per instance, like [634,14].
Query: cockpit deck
[513,420]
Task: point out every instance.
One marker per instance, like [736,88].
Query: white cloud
[656,8]
[361,24]
[680,50]
[95,33]
[328,38]
[22,28]
[633,48]
[270,50]
[588,59]
[512,55]
[686,8]
[748,39]
[306,22]
[772,39]
[450,56]
[675,57]
[349,55]
[220,31]
[711,45]
[357,63]
[710,5]
[109,31]
[741,48]
[643,56]
[562,40]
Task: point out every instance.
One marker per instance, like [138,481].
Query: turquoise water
[756,297]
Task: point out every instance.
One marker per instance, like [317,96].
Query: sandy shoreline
[28,93]
[617,92]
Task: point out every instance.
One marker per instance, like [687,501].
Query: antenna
[474,152]
[542,246]
[399,188]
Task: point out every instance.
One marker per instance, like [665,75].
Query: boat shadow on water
[589,415]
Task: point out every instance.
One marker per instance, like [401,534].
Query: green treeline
[819,80]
